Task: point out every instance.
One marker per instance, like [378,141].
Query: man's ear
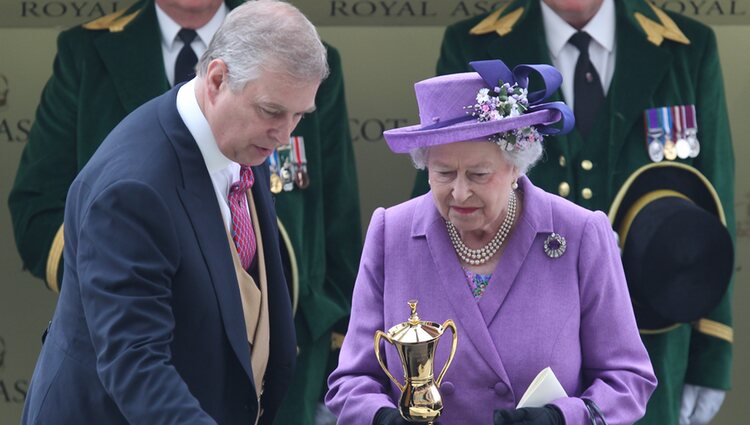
[217,75]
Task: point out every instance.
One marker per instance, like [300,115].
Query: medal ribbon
[299,151]
[666,123]
[273,160]
[654,125]
[678,121]
[690,123]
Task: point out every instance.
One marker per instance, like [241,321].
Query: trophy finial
[413,318]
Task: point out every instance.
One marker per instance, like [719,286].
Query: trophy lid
[414,330]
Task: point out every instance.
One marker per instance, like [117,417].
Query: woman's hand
[390,416]
[547,415]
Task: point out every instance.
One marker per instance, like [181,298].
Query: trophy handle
[448,324]
[378,335]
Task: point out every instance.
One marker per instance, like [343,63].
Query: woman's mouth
[464,210]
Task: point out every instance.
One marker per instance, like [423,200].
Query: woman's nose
[461,189]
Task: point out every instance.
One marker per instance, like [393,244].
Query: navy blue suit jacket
[149,326]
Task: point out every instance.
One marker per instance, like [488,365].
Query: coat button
[501,389]
[447,388]
[564,189]
[587,165]
[563,161]
[586,193]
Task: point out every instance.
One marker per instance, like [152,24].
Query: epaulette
[657,32]
[501,25]
[114,22]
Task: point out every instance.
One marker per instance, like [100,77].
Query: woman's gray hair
[266,35]
[523,160]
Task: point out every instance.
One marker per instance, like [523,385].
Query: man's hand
[547,415]
[700,404]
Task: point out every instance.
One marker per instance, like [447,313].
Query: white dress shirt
[223,171]
[564,55]
[171,44]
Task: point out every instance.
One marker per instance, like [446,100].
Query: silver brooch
[554,245]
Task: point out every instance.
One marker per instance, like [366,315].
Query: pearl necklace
[482,255]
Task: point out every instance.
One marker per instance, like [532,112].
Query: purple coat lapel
[428,222]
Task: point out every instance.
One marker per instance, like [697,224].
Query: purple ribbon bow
[495,71]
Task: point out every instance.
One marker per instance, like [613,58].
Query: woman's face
[471,184]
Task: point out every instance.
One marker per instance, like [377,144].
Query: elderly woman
[530,279]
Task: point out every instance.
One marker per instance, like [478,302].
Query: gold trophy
[416,342]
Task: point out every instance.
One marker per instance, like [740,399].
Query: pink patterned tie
[242,227]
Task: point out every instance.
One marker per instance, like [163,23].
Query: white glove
[700,404]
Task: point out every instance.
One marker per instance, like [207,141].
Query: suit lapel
[199,199]
[639,71]
[133,58]
[465,313]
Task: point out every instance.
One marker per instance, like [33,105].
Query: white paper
[543,389]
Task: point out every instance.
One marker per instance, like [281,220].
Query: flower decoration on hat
[507,96]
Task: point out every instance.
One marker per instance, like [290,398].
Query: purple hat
[492,103]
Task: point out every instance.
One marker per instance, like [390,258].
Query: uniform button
[564,189]
[447,388]
[586,193]
[562,161]
[501,389]
[587,165]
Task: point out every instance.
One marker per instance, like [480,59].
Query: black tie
[184,67]
[588,94]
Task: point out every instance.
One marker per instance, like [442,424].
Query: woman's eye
[444,175]
[479,177]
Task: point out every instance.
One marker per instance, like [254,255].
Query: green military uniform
[324,230]
[654,67]
[107,68]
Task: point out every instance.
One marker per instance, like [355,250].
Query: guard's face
[471,184]
[250,123]
[575,12]
[189,6]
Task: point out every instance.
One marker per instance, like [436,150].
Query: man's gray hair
[523,160]
[266,35]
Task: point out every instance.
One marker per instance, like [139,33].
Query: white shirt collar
[601,28]
[170,28]
[191,114]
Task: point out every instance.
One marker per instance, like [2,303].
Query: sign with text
[65,13]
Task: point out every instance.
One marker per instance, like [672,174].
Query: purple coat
[572,313]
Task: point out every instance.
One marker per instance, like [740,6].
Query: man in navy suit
[174,308]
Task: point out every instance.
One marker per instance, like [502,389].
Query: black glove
[547,415]
[391,416]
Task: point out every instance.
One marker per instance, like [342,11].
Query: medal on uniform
[681,145]
[273,167]
[301,177]
[670,151]
[691,130]
[286,171]
[654,135]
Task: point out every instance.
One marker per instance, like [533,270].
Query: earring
[514,185]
